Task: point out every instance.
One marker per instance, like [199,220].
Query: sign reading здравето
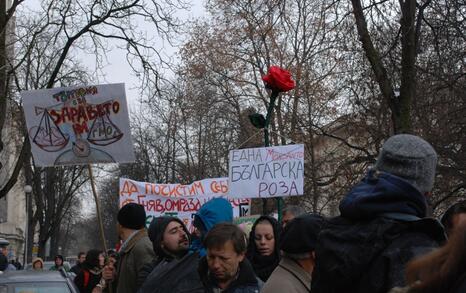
[78,125]
[267,172]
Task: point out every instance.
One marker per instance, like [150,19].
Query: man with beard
[170,241]
[181,275]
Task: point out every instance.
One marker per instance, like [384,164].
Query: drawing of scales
[50,138]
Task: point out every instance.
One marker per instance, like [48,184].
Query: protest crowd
[383,241]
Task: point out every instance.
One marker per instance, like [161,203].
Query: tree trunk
[3,75]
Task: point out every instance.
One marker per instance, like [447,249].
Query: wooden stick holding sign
[79,125]
[97,206]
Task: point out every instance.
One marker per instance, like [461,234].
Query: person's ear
[241,256]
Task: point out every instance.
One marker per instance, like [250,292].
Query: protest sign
[78,125]
[178,200]
[246,223]
[267,172]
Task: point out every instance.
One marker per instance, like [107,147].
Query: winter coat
[264,265]
[176,276]
[76,268]
[288,277]
[381,228]
[134,255]
[3,262]
[180,275]
[459,286]
[93,278]
[246,282]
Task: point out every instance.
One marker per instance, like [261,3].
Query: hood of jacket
[381,193]
[215,211]
[156,231]
[264,265]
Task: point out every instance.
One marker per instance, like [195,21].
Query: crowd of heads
[381,240]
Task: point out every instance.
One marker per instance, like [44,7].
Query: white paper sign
[267,172]
[78,125]
[178,200]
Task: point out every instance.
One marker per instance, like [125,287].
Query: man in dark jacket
[79,263]
[382,224]
[3,253]
[293,273]
[170,241]
[180,275]
[225,267]
[135,251]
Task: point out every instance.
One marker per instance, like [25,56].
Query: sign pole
[99,216]
[273,97]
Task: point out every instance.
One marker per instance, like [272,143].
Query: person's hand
[97,290]
[109,272]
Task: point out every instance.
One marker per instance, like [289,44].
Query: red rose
[279,79]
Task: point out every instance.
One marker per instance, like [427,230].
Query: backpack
[369,256]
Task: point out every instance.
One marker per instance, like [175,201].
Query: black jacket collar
[246,276]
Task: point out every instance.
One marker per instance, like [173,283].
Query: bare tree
[64,26]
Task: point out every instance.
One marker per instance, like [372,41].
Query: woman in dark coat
[263,251]
[91,274]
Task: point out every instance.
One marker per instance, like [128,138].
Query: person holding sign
[263,251]
[135,252]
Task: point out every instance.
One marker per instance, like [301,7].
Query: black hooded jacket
[382,226]
[155,233]
[264,265]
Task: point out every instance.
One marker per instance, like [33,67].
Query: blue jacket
[381,193]
[217,210]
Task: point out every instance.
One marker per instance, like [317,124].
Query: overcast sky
[117,69]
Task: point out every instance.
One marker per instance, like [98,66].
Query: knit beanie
[411,158]
[132,216]
[157,229]
[300,235]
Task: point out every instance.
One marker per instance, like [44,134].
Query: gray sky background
[116,68]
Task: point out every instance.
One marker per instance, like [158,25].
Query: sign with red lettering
[267,172]
[78,125]
[179,200]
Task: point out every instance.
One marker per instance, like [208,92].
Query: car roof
[30,277]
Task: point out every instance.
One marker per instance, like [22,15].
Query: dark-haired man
[170,241]
[79,263]
[225,268]
[181,275]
